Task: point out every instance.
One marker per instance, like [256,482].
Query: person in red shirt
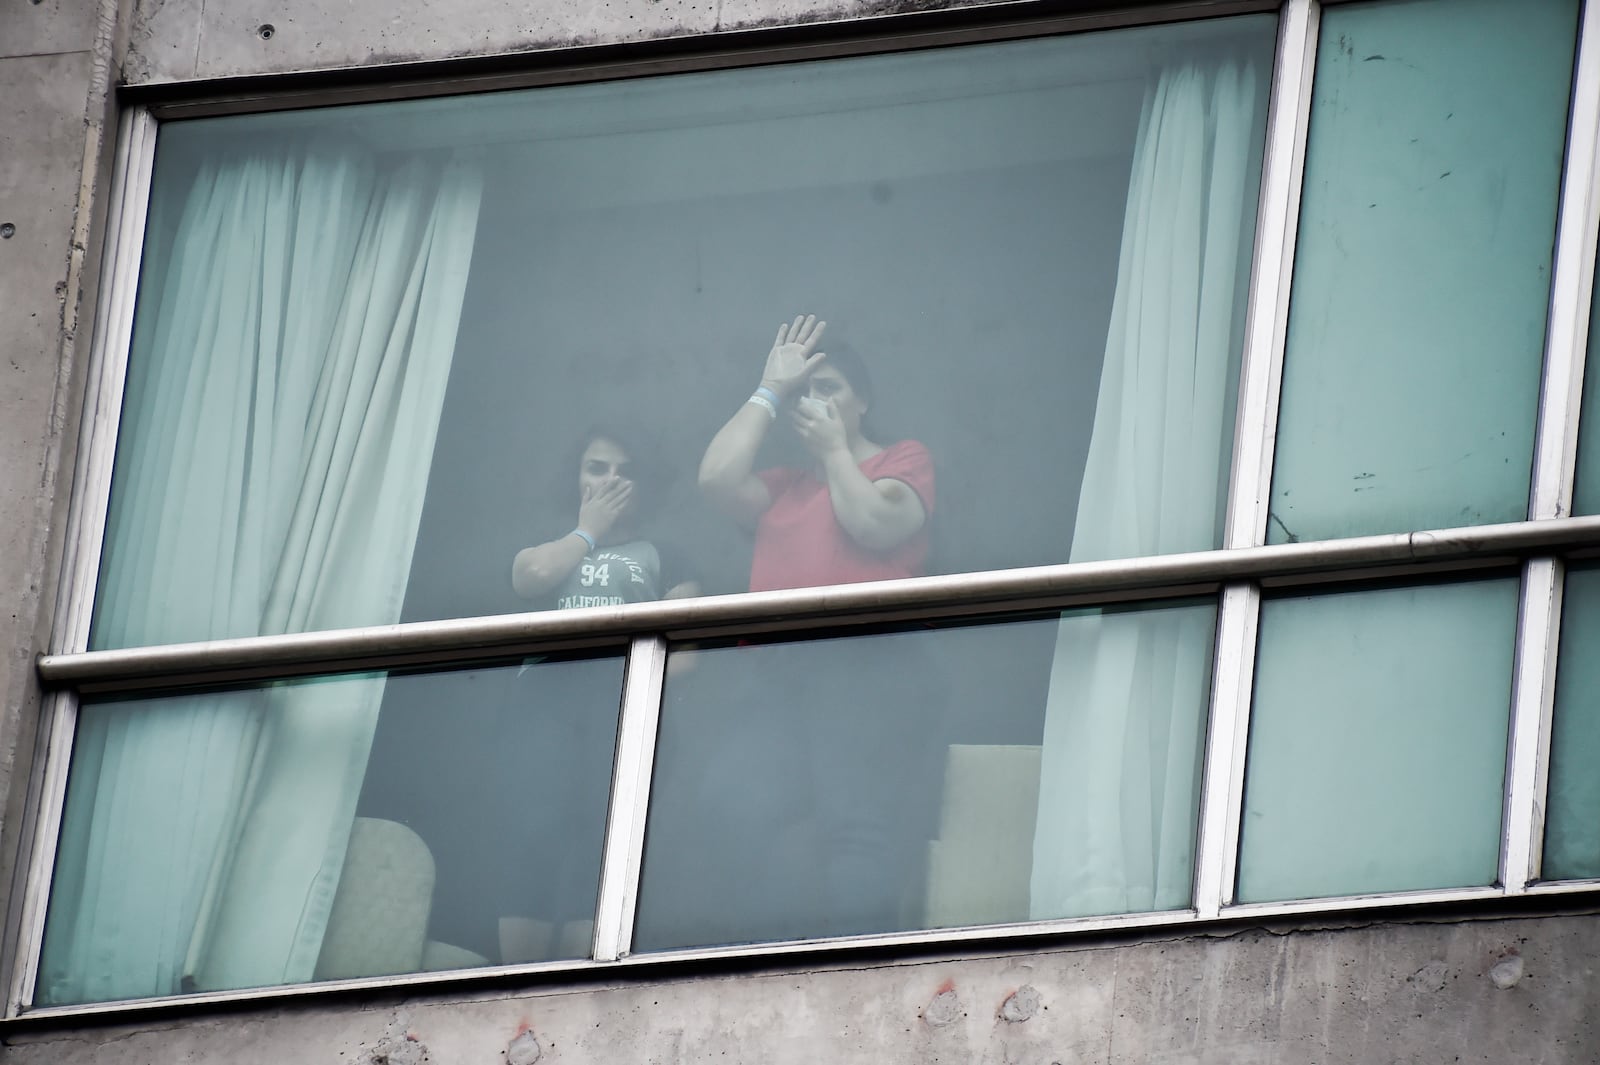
[859,514]
[841,715]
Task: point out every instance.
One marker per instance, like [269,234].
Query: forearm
[730,458]
[538,570]
[876,516]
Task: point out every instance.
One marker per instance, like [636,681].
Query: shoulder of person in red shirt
[908,462]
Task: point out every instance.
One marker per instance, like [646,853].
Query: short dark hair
[853,368]
[848,361]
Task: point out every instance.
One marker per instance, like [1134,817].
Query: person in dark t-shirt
[603,561]
[559,742]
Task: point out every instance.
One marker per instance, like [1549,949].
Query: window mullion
[102,408]
[1267,314]
[1532,700]
[630,798]
[34,869]
[1283,165]
[1554,469]
[1571,290]
[1222,795]
[102,405]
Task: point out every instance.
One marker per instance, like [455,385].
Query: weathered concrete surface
[1414,993]
[179,40]
[55,59]
[46,27]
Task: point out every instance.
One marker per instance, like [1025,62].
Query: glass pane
[341,827]
[1586,486]
[1416,327]
[1572,809]
[1378,741]
[928,778]
[375,345]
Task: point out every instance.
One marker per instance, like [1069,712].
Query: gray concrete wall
[180,40]
[56,69]
[1492,992]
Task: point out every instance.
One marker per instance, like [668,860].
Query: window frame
[1235,573]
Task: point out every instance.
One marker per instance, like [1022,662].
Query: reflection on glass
[371,340]
[1378,741]
[928,778]
[1572,809]
[1416,327]
[321,829]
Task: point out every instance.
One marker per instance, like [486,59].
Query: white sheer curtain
[1124,720]
[291,363]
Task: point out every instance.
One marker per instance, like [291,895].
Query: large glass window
[940,311]
[1422,268]
[349,826]
[929,778]
[388,358]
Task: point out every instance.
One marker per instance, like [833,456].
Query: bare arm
[727,477]
[877,514]
[727,472]
[537,570]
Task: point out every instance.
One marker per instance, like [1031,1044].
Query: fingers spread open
[815,336]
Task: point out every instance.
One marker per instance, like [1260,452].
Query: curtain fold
[280,424]
[1125,713]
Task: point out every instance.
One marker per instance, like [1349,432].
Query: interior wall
[979,300]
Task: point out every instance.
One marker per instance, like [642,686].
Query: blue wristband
[770,396]
[585,537]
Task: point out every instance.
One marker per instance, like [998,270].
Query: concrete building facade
[1453,969]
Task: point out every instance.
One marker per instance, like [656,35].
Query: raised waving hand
[794,355]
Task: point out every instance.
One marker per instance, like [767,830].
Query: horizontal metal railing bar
[954,595]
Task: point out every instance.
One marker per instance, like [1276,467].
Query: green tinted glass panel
[1378,741]
[1572,809]
[1422,269]
[1586,486]
[334,828]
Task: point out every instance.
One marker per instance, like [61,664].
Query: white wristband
[765,404]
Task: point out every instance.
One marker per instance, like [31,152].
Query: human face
[832,387]
[603,461]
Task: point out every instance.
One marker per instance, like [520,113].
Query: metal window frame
[1250,485]
[131,174]
[1236,572]
[1555,468]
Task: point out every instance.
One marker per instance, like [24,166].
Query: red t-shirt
[799,543]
